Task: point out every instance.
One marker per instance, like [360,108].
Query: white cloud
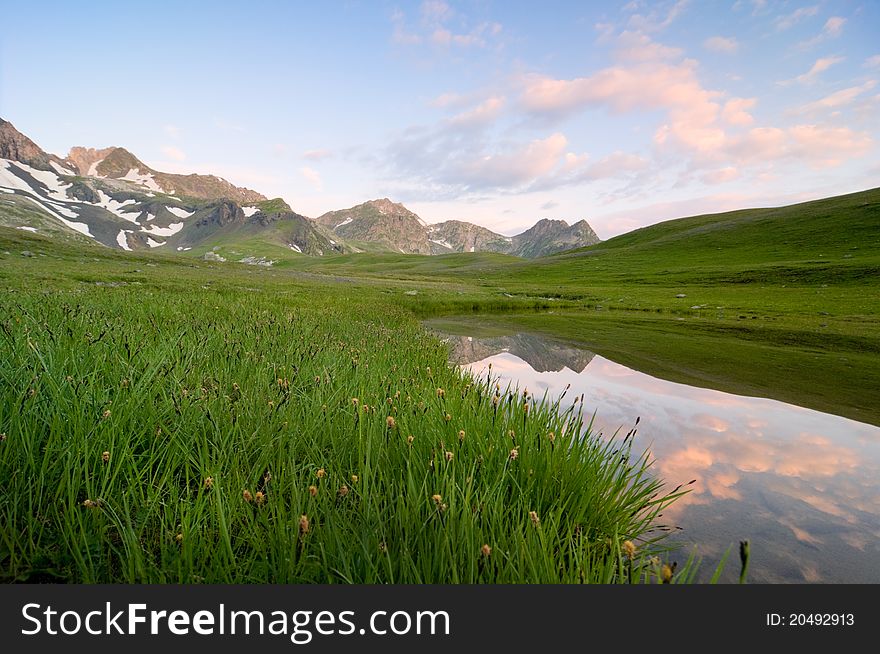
[820,66]
[735,111]
[433,28]
[656,20]
[790,20]
[727,45]
[832,29]
[313,177]
[838,98]
[872,62]
[483,114]
[173,153]
[316,155]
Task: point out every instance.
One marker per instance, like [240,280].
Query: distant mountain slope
[385,225]
[552,236]
[119,163]
[380,223]
[112,197]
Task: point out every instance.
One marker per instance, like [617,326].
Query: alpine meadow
[588,295]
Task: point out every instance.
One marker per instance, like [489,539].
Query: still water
[801,485]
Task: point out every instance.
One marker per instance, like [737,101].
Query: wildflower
[313,490]
[666,573]
[514,454]
[246,494]
[259,498]
[526,408]
[383,547]
[449,456]
[366,408]
[124,383]
[461,436]
[209,483]
[437,499]
[271,404]
[354,479]
[89,504]
[354,402]
[184,392]
[428,369]
[389,422]
[2,437]
[105,457]
[106,414]
[321,473]
[410,439]
[485,550]
[495,399]
[511,434]
[551,437]
[343,490]
[304,524]
[629,548]
[447,417]
[533,516]
[68,378]
[441,392]
[179,538]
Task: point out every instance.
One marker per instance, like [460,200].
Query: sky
[499,113]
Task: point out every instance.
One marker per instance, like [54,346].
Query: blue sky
[500,113]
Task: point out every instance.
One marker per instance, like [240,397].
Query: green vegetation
[164,422]
[272,206]
[171,420]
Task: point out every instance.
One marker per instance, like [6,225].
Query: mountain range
[111,197]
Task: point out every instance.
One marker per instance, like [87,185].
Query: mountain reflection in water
[802,485]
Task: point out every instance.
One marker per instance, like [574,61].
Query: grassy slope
[787,299]
[184,371]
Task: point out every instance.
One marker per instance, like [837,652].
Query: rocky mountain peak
[84,158]
[16,146]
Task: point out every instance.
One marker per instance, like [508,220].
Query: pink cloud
[636,47]
[838,98]
[518,166]
[720,176]
[727,45]
[316,155]
[820,66]
[790,20]
[828,146]
[735,111]
[484,113]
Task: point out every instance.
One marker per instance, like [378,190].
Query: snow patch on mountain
[250,211]
[122,239]
[114,206]
[61,170]
[144,179]
[180,213]
[171,230]
[93,169]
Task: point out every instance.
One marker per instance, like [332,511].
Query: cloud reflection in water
[802,485]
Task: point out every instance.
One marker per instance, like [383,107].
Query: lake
[801,485]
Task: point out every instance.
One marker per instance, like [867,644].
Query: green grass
[171,366]
[181,374]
